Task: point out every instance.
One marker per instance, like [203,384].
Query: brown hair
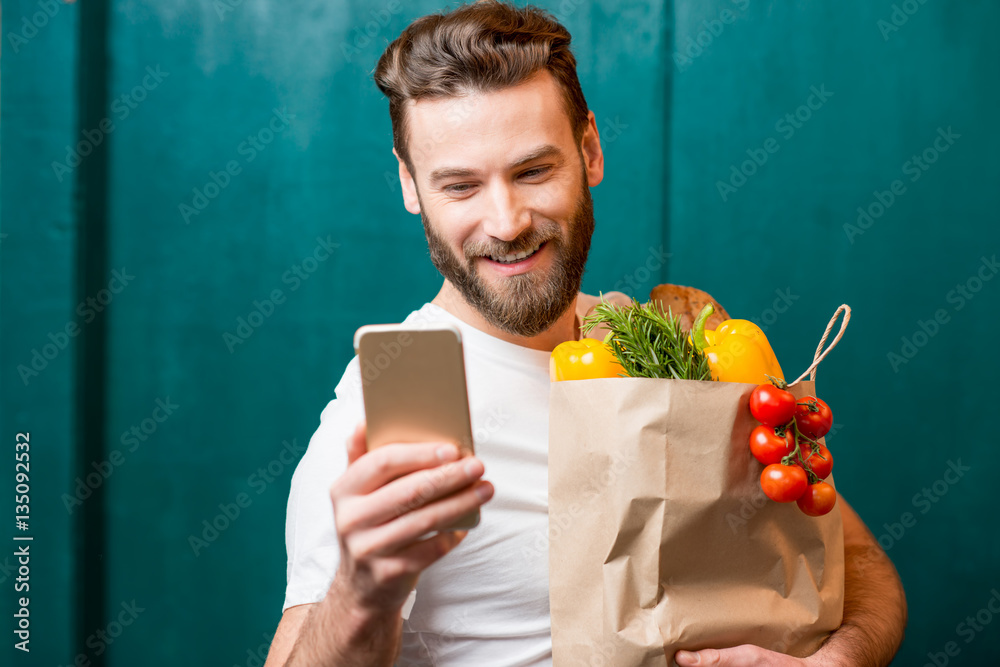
[481,47]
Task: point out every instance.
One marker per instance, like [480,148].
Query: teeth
[510,259]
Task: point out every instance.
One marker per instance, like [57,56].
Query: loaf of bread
[686,302]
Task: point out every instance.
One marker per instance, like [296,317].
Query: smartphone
[414,389]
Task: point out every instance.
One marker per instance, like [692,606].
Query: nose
[508,214]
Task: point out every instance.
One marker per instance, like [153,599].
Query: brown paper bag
[659,535]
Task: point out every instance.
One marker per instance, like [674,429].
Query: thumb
[357,444]
[746,655]
[702,658]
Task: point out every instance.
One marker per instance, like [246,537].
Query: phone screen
[414,388]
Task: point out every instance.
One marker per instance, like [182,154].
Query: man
[497,152]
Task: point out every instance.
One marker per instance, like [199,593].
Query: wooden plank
[324,176]
[785,247]
[39,294]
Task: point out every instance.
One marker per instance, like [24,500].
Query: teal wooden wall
[784,231]
[248,162]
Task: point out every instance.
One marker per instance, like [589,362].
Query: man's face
[498,175]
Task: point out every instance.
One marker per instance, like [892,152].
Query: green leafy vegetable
[648,342]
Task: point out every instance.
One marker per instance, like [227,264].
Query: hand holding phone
[413,383]
[386,504]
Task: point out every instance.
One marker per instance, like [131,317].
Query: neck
[567,327]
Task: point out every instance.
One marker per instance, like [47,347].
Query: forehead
[487,128]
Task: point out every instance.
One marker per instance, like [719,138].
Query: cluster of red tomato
[786,442]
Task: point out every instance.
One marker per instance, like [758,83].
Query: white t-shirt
[487,602]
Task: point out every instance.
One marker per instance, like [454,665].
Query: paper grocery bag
[660,538]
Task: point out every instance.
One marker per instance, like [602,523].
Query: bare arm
[285,635]
[874,602]
[336,633]
[874,614]
[383,505]
[308,633]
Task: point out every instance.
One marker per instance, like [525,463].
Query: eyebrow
[548,150]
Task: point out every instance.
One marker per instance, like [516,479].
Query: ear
[593,156]
[410,199]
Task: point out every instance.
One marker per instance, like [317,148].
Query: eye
[535,172]
[460,188]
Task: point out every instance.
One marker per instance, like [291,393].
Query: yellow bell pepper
[583,360]
[737,351]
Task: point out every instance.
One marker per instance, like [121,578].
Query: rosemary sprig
[648,342]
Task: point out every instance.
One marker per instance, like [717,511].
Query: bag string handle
[820,352]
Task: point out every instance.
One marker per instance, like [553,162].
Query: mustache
[534,238]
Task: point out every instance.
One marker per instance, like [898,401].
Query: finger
[414,559]
[384,464]
[702,658]
[746,655]
[391,537]
[357,443]
[407,493]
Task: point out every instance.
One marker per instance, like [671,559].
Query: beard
[528,303]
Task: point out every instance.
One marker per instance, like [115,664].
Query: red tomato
[783,484]
[813,417]
[819,460]
[768,447]
[772,406]
[818,499]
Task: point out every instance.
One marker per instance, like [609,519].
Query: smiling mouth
[516,257]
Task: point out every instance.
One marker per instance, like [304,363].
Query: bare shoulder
[286,634]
